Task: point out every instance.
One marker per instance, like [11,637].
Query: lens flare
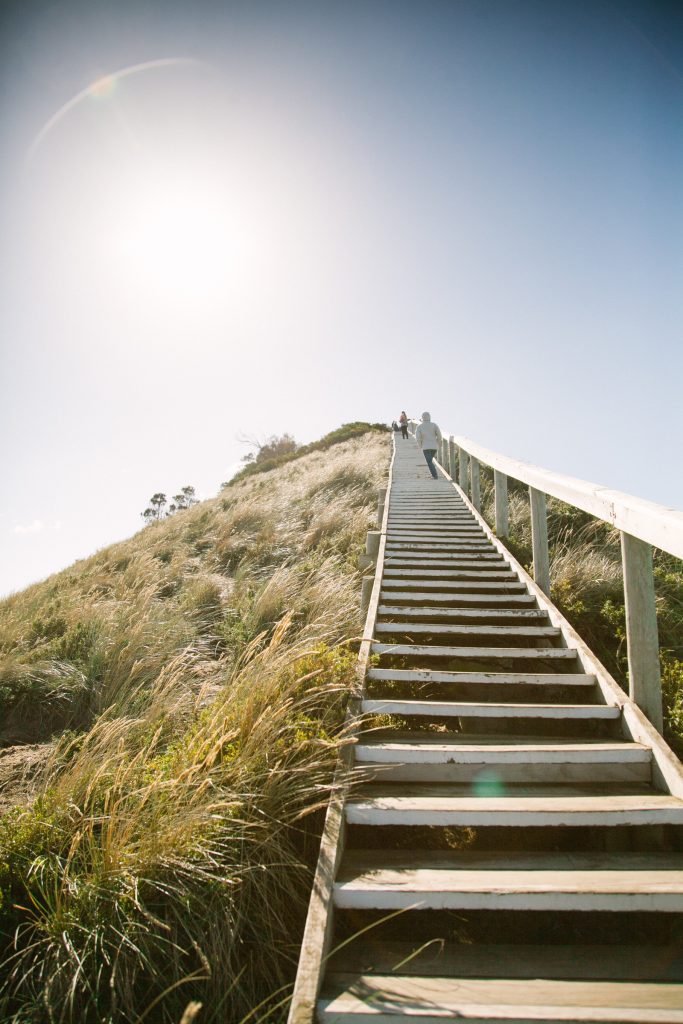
[488,783]
[102,88]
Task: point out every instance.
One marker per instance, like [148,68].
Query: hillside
[180,699]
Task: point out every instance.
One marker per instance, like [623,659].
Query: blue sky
[324,212]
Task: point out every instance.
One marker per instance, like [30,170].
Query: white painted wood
[456,629]
[458,600]
[482,678]
[655,524]
[641,628]
[476,572]
[462,469]
[500,488]
[434,613]
[467,709]
[395,998]
[667,766]
[510,587]
[438,566]
[513,881]
[485,764]
[475,489]
[565,807]
[539,539]
[452,457]
[543,750]
[478,653]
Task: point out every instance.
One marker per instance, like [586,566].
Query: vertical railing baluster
[539,539]
[475,489]
[452,457]
[462,469]
[500,487]
[641,628]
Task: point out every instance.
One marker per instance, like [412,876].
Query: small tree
[156,509]
[186,499]
[272,448]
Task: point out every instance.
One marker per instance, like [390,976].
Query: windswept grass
[587,585]
[167,858]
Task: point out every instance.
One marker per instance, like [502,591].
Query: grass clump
[168,856]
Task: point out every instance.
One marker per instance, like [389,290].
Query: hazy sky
[300,214]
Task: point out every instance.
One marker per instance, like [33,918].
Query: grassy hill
[184,694]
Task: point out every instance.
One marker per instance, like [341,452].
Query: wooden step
[487,763]
[454,629]
[467,880]
[453,804]
[444,567]
[425,675]
[463,572]
[458,600]
[453,959]
[512,586]
[394,998]
[491,709]
[440,552]
[475,614]
[478,653]
[438,556]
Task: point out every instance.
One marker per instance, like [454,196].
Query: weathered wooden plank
[394,998]
[432,613]
[470,583]
[465,750]
[500,488]
[455,629]
[655,524]
[457,599]
[478,653]
[453,959]
[539,539]
[552,806]
[470,709]
[390,880]
[641,629]
[424,675]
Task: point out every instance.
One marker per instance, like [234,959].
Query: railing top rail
[657,525]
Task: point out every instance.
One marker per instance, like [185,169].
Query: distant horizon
[234,218]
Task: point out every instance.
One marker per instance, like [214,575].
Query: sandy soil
[20,772]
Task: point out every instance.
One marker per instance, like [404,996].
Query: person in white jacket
[428,436]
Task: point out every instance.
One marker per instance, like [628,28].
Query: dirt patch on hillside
[20,770]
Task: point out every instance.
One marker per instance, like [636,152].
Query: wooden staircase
[510,849]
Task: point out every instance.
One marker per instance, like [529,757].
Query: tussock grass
[167,858]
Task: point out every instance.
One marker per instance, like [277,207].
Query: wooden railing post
[381,498]
[500,487]
[451,457]
[462,471]
[641,628]
[475,490]
[367,583]
[539,539]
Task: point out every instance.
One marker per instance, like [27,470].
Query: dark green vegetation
[587,586]
[191,683]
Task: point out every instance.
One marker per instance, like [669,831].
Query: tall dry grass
[168,856]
